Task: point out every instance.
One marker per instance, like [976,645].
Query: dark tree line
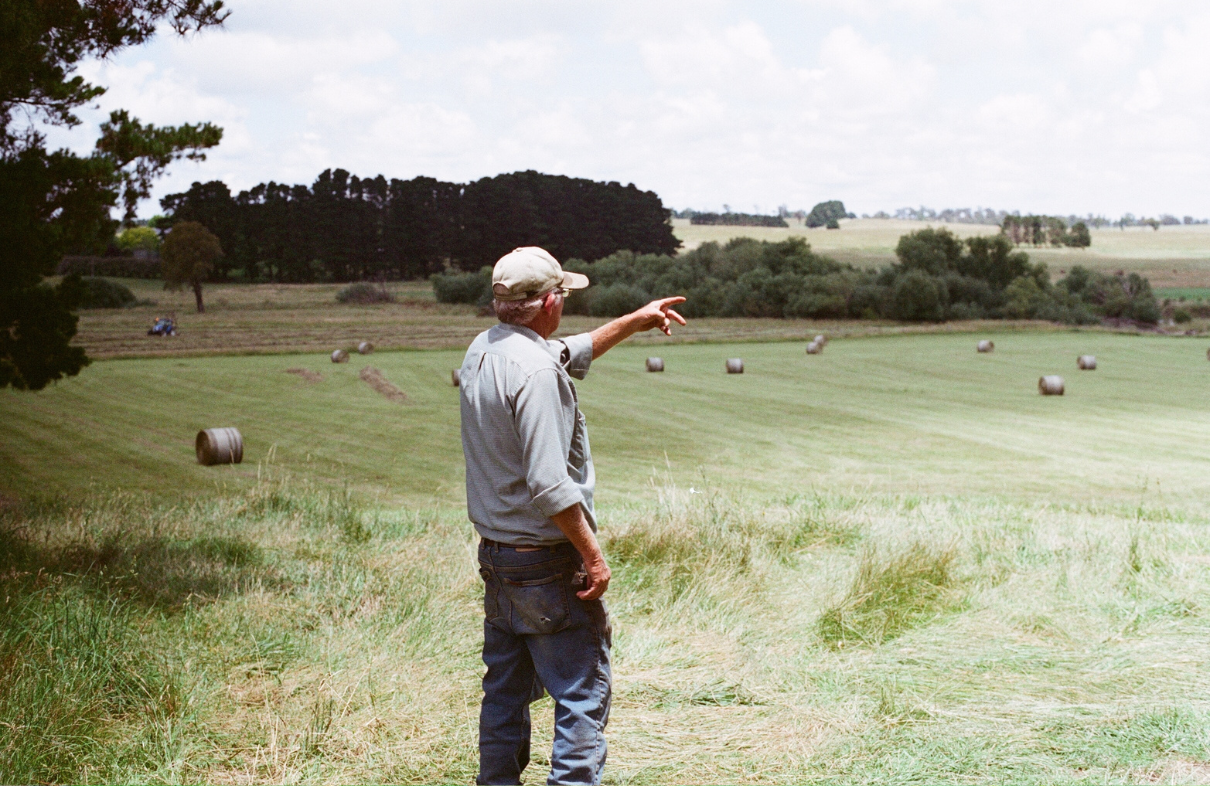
[346,228]
[1041,230]
[737,220]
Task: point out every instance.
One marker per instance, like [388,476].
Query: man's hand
[573,524]
[598,579]
[656,314]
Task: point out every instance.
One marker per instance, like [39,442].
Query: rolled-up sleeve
[579,354]
[540,417]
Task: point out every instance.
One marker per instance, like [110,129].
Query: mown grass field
[291,318]
[1184,294]
[1173,256]
[284,318]
[892,562]
[894,413]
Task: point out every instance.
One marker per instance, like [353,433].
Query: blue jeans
[537,634]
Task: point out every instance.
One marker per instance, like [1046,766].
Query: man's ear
[549,302]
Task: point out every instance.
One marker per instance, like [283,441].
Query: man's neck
[543,324]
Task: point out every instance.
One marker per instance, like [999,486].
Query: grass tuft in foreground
[891,594]
[73,667]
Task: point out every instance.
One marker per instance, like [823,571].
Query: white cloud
[859,77]
[699,56]
[1105,47]
[878,102]
[260,63]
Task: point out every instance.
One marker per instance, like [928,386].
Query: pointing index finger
[670,301]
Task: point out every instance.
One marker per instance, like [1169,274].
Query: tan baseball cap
[528,272]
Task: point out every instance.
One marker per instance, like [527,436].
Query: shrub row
[938,277]
[103,293]
[463,287]
[114,267]
[364,293]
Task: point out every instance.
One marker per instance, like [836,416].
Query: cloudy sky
[1054,106]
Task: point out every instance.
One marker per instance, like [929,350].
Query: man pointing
[529,485]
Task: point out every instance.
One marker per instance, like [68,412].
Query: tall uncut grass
[289,633]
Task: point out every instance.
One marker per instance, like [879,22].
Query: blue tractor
[164,326]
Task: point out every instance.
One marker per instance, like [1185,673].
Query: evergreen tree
[55,202]
[346,228]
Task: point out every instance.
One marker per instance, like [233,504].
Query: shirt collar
[529,333]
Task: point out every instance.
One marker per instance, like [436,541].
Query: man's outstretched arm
[575,527]
[656,314]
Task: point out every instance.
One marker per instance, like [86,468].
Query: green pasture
[1183,293]
[894,562]
[921,414]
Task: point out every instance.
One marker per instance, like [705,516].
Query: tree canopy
[53,202]
[346,228]
[827,213]
[189,253]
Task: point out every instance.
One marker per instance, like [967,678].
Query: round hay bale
[814,348]
[655,364]
[735,366]
[821,339]
[1086,362]
[985,346]
[365,348]
[219,446]
[1050,385]
[456,377]
[340,356]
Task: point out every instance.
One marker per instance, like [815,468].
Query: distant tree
[1079,236]
[55,202]
[992,258]
[932,250]
[189,253]
[1025,298]
[824,212]
[139,239]
[211,205]
[917,297]
[1119,296]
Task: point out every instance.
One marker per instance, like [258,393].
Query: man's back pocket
[539,606]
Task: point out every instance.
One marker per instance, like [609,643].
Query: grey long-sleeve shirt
[523,435]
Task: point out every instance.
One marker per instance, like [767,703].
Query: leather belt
[497,544]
